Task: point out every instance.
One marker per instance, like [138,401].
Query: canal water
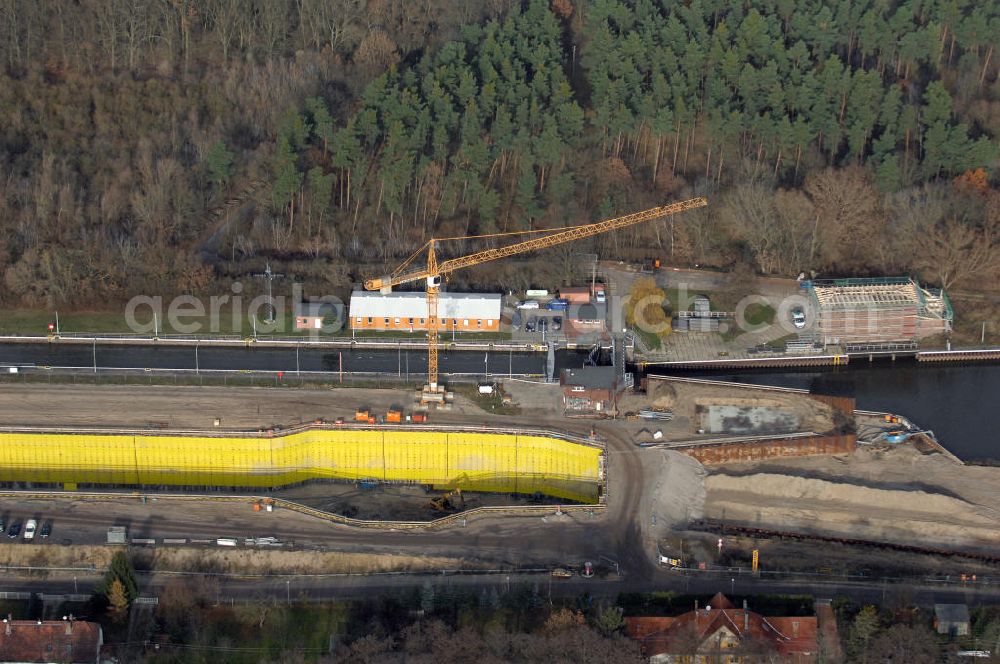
[959,403]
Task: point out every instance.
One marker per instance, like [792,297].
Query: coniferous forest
[169,146]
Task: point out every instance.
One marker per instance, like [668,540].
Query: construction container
[419,418]
[394,416]
[362,416]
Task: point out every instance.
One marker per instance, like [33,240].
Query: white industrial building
[462,312]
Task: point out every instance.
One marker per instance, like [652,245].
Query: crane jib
[575,233]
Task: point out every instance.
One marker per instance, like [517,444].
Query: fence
[474,461]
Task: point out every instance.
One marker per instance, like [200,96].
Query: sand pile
[675,490]
[780,501]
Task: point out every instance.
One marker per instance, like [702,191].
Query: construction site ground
[686,401]
[899,494]
[890,493]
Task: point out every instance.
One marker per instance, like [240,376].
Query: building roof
[482,306]
[952,613]
[657,635]
[595,312]
[314,308]
[592,378]
[50,641]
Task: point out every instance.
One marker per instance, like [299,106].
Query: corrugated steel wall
[473,461]
[770,449]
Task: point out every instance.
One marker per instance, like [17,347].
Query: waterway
[959,403]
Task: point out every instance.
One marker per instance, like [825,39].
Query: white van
[528,304]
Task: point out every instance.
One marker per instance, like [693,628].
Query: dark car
[556,323]
[530,325]
[14,530]
[543,324]
[46,529]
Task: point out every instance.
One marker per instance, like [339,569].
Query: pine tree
[219,162]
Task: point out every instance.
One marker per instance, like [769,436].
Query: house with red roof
[721,633]
[65,641]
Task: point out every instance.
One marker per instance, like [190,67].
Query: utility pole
[268,275]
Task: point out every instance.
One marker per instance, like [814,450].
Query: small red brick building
[590,390]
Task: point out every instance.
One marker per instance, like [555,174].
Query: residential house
[720,633]
[66,641]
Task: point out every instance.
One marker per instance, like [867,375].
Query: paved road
[334,587]
[399,362]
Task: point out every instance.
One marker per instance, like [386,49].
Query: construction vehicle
[452,500]
[433,393]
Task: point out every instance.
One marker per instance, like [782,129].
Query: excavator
[433,392]
[452,500]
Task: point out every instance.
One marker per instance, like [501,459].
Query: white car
[599,297]
[29,529]
[528,304]
[798,318]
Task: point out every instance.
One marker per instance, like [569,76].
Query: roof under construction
[880,309]
[865,293]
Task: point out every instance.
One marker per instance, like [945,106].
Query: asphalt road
[396,361]
[293,588]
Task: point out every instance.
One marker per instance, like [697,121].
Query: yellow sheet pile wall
[472,461]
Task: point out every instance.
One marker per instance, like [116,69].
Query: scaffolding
[503,463]
[878,310]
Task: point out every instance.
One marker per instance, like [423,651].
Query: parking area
[25,529]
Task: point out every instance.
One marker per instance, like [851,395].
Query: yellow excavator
[452,500]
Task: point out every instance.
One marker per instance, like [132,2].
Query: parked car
[543,324]
[556,323]
[599,297]
[528,304]
[798,318]
[15,529]
[530,325]
[30,528]
[46,529]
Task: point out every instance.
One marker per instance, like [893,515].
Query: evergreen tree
[219,162]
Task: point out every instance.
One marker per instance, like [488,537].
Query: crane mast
[433,272]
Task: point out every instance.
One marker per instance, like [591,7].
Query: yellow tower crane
[433,272]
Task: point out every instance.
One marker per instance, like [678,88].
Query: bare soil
[892,494]
[686,401]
